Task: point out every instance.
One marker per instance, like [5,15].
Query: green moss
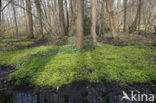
[25,43]
[13,44]
[9,40]
[3,44]
[133,43]
[63,64]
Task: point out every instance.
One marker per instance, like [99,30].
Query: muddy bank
[77,92]
[5,70]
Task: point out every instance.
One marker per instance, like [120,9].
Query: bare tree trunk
[73,17]
[29,20]
[139,18]
[0,16]
[39,15]
[93,28]
[110,11]
[125,15]
[119,4]
[25,15]
[79,27]
[61,17]
[15,19]
[155,28]
[67,16]
[133,27]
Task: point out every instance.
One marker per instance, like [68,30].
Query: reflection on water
[85,97]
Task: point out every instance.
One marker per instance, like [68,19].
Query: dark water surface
[84,97]
[80,92]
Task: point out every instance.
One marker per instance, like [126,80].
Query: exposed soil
[5,70]
[113,42]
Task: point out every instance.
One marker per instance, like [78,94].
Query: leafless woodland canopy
[59,18]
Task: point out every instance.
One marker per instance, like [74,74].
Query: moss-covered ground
[62,63]
[10,44]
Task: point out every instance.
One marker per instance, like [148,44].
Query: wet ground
[80,92]
[5,70]
[24,97]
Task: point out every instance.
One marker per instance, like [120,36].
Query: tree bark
[155,28]
[72,25]
[139,18]
[93,27]
[125,15]
[61,17]
[119,4]
[39,15]
[15,19]
[110,12]
[133,27]
[0,16]
[67,17]
[79,27]
[29,20]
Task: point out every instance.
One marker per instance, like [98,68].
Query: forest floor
[57,63]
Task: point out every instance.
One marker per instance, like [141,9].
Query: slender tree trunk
[0,16]
[25,15]
[125,15]
[79,27]
[93,28]
[139,18]
[133,27]
[110,12]
[73,17]
[61,17]
[39,15]
[155,27]
[119,4]
[29,20]
[15,19]
[67,16]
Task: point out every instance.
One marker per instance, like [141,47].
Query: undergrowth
[63,64]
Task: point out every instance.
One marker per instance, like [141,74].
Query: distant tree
[125,15]
[58,17]
[39,16]
[0,14]
[79,27]
[15,18]
[72,18]
[119,4]
[110,11]
[155,28]
[137,19]
[29,20]
[67,17]
[93,27]
[61,17]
